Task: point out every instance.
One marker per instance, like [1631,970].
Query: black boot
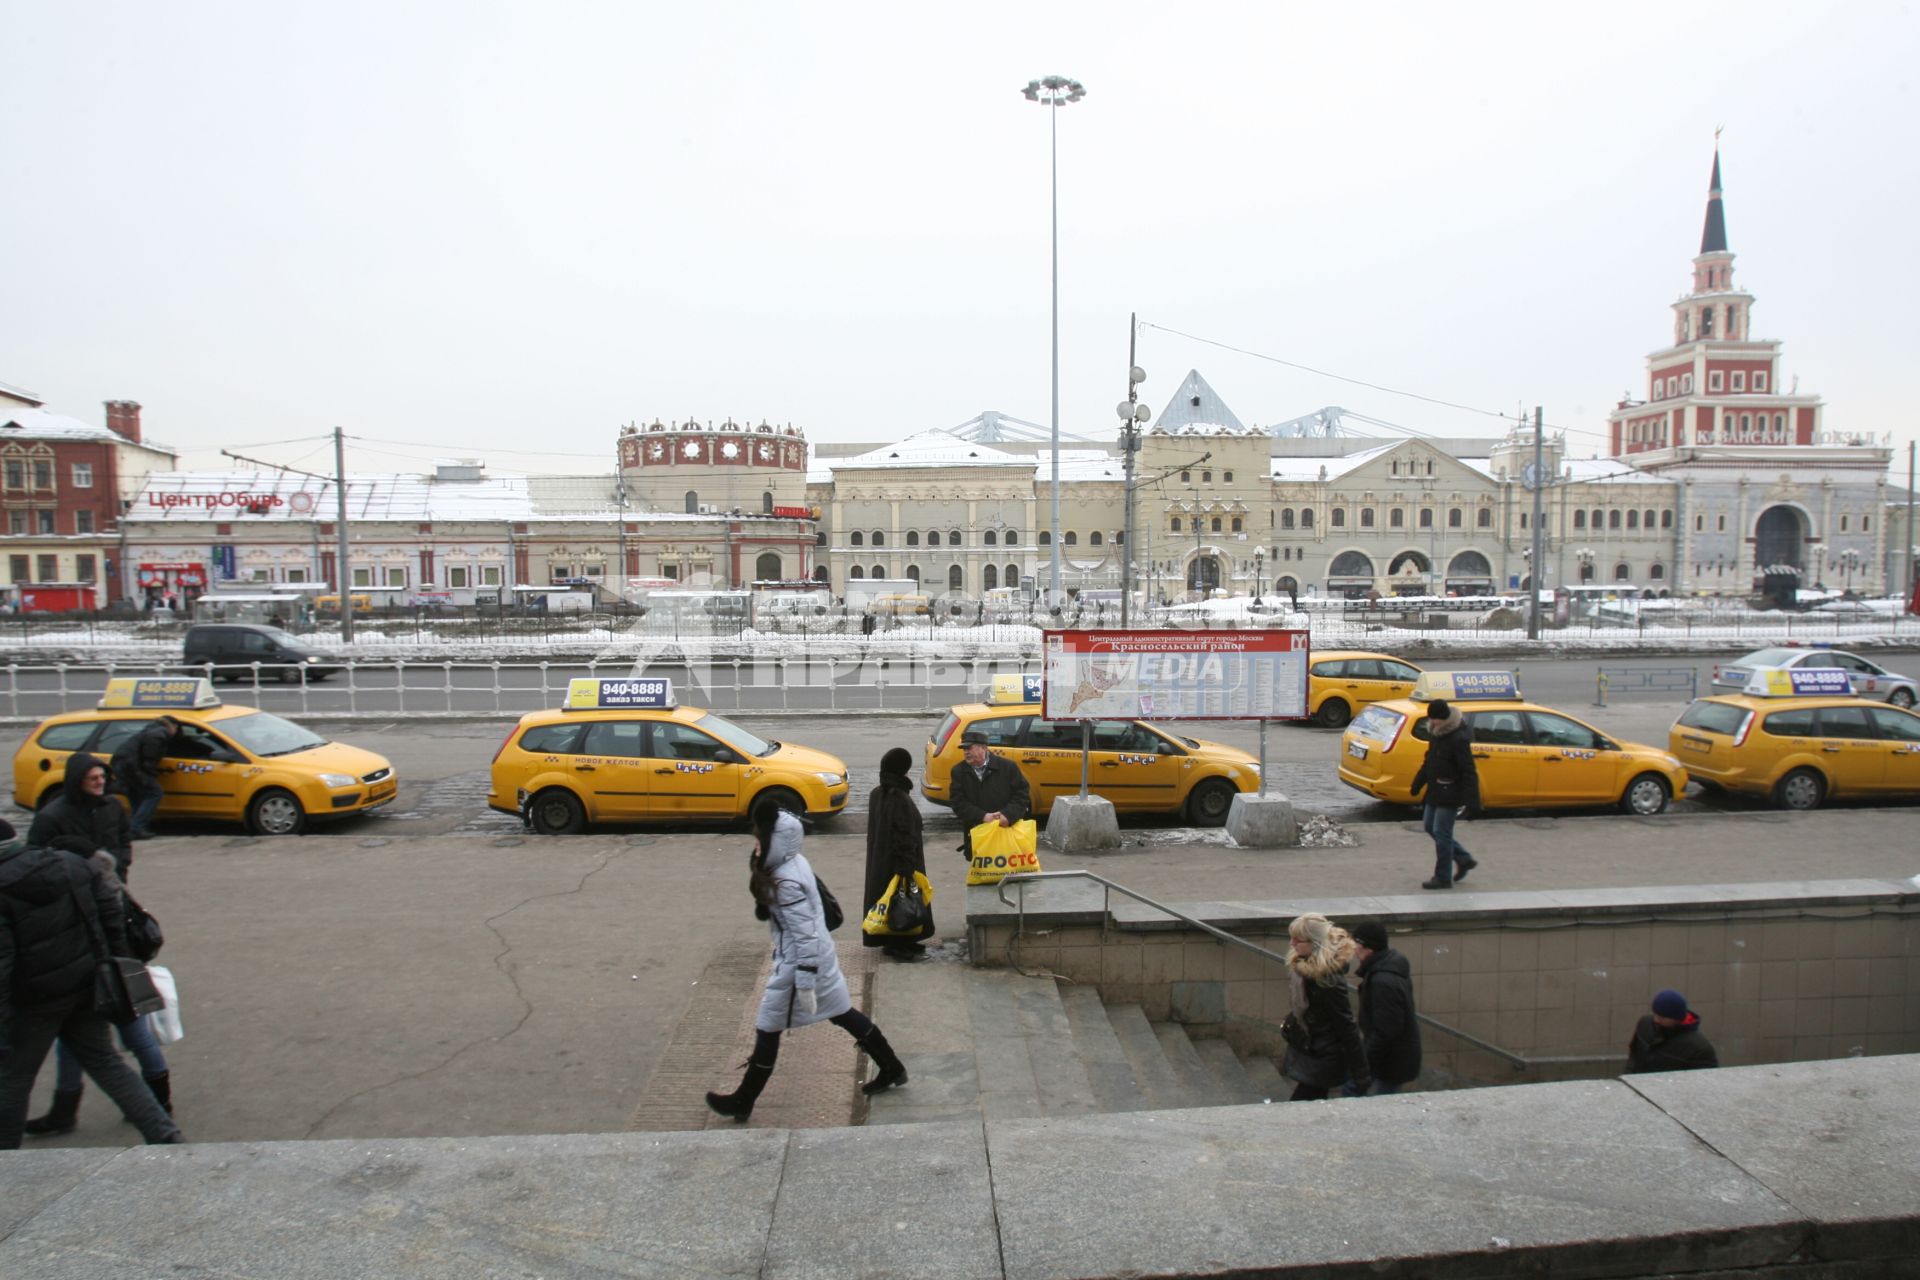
[62,1117]
[892,1070]
[739,1103]
[162,1086]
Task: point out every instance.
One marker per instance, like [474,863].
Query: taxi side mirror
[724,756]
[226,755]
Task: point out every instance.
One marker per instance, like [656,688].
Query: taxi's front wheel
[556,813]
[1646,795]
[276,813]
[1209,803]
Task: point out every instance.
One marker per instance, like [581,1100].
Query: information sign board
[1800,682]
[590,693]
[1175,675]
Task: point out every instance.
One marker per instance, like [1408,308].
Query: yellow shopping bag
[999,852]
[902,915]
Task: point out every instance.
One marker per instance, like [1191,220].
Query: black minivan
[232,648]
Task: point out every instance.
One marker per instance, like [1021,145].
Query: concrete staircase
[995,1043]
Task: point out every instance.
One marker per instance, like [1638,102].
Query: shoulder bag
[122,988]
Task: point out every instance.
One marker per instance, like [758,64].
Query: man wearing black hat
[1387,1022]
[1669,1039]
[987,788]
[1452,785]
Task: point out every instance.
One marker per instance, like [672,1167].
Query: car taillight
[947,727]
[503,745]
[1745,725]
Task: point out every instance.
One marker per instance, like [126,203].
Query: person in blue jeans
[1452,784]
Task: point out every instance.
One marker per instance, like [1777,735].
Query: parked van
[231,650]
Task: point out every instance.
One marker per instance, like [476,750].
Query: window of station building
[1866,524]
[1456,518]
[1010,576]
[1206,477]
[693,502]
[1069,539]
[1656,571]
[1012,539]
[1706,324]
[1306,518]
[1286,518]
[1485,518]
[1046,537]
[879,539]
[83,522]
[1094,539]
[1720,523]
[1175,524]
[953,538]
[1366,517]
[820,538]
[1119,537]
[913,537]
[1738,380]
[1396,518]
[990,536]
[1226,477]
[913,571]
[1523,519]
[856,539]
[1237,526]
[1843,524]
[989,577]
[83,568]
[457,575]
[18,570]
[1338,518]
[1426,517]
[1579,519]
[490,575]
[956,577]
[48,568]
[1646,520]
[1613,519]
[83,475]
[1213,525]
[1622,573]
[856,572]
[1633,519]
[1186,477]
[1713,380]
[1759,380]
[1666,518]
[878,571]
[363,577]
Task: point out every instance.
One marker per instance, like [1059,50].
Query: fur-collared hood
[1332,949]
[1441,728]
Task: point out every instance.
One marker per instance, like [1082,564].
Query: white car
[1869,679]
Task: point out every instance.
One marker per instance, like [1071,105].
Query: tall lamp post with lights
[1055,91]
[1132,414]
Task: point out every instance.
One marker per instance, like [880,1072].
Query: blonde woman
[1323,1042]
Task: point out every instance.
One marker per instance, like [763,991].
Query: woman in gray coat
[806,985]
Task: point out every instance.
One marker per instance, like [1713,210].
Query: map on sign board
[1177,675]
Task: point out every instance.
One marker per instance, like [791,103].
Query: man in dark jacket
[136,763]
[1387,1021]
[51,901]
[987,788]
[1669,1039]
[1452,785]
[84,811]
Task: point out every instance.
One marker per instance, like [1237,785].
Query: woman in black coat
[895,847]
[1323,1042]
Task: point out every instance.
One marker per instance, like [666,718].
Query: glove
[805,1003]
[1465,813]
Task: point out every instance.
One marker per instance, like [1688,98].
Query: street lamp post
[1132,414]
[1585,557]
[1055,91]
[1259,558]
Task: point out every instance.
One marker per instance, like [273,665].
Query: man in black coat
[1669,1039]
[987,788]
[895,847]
[83,811]
[136,764]
[1452,784]
[1387,1021]
[51,903]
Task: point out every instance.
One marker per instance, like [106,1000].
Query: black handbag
[144,938]
[829,905]
[906,910]
[1294,1033]
[122,988]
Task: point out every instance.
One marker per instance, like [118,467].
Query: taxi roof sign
[1799,682]
[619,693]
[158,693]
[1014,689]
[1467,686]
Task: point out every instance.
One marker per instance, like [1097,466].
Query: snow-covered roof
[934,448]
[24,423]
[1196,409]
[20,393]
[1292,470]
[1081,466]
[574,495]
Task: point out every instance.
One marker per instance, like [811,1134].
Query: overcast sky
[467,228]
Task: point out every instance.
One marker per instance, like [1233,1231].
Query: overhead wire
[440,450]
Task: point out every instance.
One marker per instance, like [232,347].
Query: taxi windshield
[734,736]
[269,735]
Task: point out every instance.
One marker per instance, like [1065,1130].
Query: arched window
[1069,539]
[1366,517]
[1396,518]
[856,572]
[1621,573]
[879,538]
[1646,521]
[1094,539]
[819,573]
[956,577]
[1633,519]
[1119,537]
[1213,525]
[1426,517]
[990,537]
[1010,576]
[913,537]
[856,539]
[767,567]
[820,539]
[1666,518]
[1455,517]
[1485,519]
[953,538]
[989,577]
[693,503]
[913,571]
[878,571]
[766,503]
[1339,518]
[1176,524]
[1012,539]
[1613,519]
[1206,477]
[1046,537]
[1656,571]
[1286,518]
[1306,518]
[1599,519]
[1236,524]
[1579,519]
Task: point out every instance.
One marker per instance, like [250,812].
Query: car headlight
[312,657]
[338,779]
[831,779]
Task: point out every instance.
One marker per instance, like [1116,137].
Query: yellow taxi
[1528,756]
[1341,682]
[236,764]
[622,750]
[1798,737]
[1138,766]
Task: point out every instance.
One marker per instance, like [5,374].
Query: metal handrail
[1518,1061]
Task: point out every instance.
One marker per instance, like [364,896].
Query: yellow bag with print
[902,912]
[999,852]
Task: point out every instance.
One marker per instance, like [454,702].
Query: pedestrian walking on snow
[806,985]
[1452,784]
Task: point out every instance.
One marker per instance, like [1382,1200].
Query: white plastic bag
[166,1023]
